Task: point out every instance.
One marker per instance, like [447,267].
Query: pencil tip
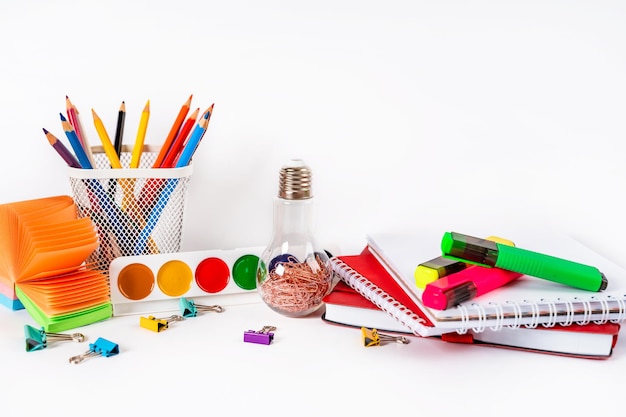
[62,117]
[45,131]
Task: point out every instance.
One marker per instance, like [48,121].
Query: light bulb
[294,273]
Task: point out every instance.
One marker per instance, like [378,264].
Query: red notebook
[367,296]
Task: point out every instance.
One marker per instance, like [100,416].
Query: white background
[409,113]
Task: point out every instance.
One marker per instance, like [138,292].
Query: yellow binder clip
[371,337]
[158,324]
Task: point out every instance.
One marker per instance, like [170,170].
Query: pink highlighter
[464,285]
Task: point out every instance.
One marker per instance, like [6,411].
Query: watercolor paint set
[144,284]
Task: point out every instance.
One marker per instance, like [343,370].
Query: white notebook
[527,301]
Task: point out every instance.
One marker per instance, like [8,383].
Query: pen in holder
[137,211]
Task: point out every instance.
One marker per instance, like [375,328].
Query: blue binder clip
[156,324]
[101,347]
[37,339]
[261,337]
[188,308]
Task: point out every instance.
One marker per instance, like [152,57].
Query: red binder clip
[261,337]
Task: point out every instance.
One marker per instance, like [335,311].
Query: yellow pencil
[141,135]
[106,141]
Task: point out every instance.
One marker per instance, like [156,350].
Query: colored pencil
[171,183]
[97,196]
[173,131]
[75,142]
[194,140]
[179,142]
[119,130]
[141,135]
[106,141]
[65,153]
[74,119]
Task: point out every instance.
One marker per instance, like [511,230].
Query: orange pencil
[179,142]
[173,131]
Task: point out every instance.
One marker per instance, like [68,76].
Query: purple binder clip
[261,337]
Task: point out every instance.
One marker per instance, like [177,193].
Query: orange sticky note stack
[43,248]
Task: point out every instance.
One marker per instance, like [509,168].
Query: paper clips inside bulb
[101,347]
[158,324]
[188,308]
[37,339]
[371,337]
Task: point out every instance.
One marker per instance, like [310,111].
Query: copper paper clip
[262,337]
[371,337]
[188,308]
[37,339]
[101,347]
[158,325]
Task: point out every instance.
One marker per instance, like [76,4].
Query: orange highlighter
[470,282]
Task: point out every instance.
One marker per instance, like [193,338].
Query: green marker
[487,253]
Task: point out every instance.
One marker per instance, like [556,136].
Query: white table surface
[202,366]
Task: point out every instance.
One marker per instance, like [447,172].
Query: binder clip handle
[371,337]
[188,308]
[37,339]
[101,346]
[158,324]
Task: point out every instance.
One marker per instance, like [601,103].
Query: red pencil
[173,131]
[74,119]
[179,142]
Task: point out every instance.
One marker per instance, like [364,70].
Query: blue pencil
[194,140]
[170,185]
[75,142]
[155,214]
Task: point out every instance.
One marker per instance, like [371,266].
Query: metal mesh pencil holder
[136,211]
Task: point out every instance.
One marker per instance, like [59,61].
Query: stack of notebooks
[378,290]
[43,248]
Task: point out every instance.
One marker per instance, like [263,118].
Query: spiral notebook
[346,307]
[526,301]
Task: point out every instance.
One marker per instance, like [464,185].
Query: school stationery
[179,142]
[465,285]
[372,337]
[141,136]
[73,116]
[265,336]
[148,284]
[523,301]
[440,267]
[109,149]
[101,347]
[75,142]
[37,339]
[180,118]
[367,296]
[492,254]
[43,248]
[119,129]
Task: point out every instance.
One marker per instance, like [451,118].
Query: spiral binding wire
[511,314]
[357,282]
